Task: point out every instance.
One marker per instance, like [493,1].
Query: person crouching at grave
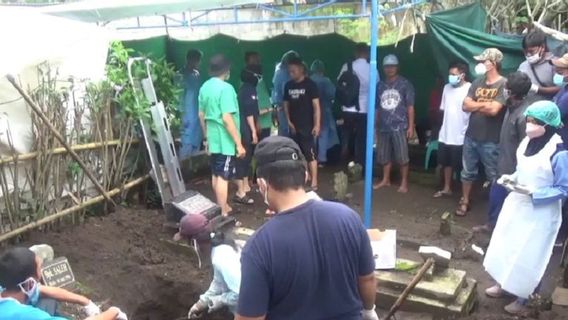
[23,297]
[523,239]
[225,259]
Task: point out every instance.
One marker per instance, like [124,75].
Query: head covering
[190,226]
[276,149]
[317,66]
[491,54]
[219,65]
[390,60]
[289,55]
[546,112]
[561,62]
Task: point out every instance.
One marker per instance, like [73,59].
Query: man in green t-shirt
[219,117]
[264,125]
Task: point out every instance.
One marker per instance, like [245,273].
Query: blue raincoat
[281,77]
[191,134]
[328,134]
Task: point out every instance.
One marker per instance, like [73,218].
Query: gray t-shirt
[483,128]
[542,74]
[512,133]
[393,100]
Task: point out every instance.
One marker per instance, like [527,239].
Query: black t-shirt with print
[299,96]
[484,128]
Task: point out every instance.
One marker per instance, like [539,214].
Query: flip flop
[441,193]
[244,200]
[463,209]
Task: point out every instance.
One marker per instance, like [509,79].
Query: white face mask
[535,58]
[480,69]
[263,188]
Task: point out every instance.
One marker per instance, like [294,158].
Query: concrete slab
[461,306]
[444,285]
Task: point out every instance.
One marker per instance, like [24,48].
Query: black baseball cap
[276,149]
[218,65]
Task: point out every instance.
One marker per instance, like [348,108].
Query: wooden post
[59,138]
[410,287]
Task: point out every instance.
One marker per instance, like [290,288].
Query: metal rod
[232,22]
[61,214]
[319,6]
[60,138]
[368,198]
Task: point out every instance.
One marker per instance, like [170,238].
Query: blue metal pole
[368,204]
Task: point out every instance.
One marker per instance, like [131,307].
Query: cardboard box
[383,244]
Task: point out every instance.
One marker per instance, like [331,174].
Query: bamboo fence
[91,150]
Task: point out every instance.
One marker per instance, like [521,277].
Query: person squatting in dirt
[23,297]
[313,259]
[225,259]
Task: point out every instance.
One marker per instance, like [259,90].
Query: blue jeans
[476,153]
[497,196]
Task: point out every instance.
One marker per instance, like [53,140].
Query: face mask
[535,130]
[535,58]
[454,80]
[33,293]
[263,185]
[558,80]
[480,69]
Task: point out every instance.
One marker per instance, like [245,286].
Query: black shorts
[243,165]
[450,156]
[222,166]
[307,144]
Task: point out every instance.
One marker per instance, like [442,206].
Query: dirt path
[122,257]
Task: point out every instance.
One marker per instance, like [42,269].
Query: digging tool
[398,303]
[60,138]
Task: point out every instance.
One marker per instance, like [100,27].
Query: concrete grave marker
[57,273]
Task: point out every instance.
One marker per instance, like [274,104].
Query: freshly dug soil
[123,258]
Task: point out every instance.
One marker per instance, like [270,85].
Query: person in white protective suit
[523,239]
[225,259]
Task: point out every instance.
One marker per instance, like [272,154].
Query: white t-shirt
[362,69]
[455,119]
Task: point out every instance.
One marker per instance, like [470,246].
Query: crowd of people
[313,259]
[512,127]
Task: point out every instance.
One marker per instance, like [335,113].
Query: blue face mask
[454,80]
[33,293]
[558,80]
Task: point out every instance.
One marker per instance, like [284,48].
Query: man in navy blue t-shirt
[313,260]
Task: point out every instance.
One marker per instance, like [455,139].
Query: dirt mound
[123,258]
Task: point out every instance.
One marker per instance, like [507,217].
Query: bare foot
[402,189]
[227,211]
[381,184]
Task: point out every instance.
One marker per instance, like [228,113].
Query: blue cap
[390,60]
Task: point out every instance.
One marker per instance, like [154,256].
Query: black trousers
[353,137]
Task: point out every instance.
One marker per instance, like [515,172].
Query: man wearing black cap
[219,117]
[313,260]
[21,291]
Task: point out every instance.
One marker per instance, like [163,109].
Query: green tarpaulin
[453,34]
[333,49]
[459,34]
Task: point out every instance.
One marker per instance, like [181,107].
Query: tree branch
[554,33]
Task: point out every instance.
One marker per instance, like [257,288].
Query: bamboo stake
[58,136]
[62,150]
[38,223]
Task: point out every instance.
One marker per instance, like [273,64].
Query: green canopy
[458,34]
[109,10]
